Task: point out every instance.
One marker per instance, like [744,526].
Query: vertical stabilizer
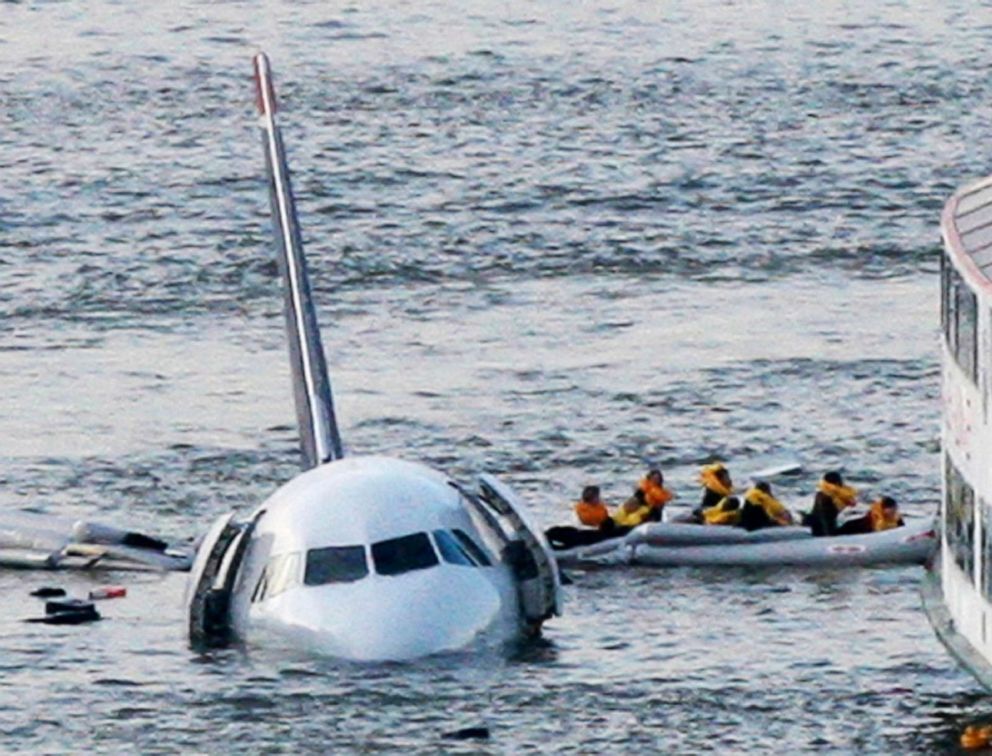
[319,438]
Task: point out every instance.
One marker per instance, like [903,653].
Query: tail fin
[319,438]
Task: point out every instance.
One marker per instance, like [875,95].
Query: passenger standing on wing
[762,510]
[717,486]
[656,495]
[832,496]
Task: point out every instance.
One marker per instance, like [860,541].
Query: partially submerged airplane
[364,558]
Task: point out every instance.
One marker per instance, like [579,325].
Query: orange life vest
[656,496]
[592,514]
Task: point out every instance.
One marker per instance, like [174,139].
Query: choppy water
[553,241]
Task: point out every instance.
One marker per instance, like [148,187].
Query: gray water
[555,241]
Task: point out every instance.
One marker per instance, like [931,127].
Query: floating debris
[468,733]
[67,605]
[48,591]
[108,592]
[67,612]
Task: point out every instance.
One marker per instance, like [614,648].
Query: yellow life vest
[841,496]
[708,477]
[631,513]
[775,510]
[722,513]
[880,520]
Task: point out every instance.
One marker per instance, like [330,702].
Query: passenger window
[966,310]
[986,511]
[451,550]
[959,519]
[335,564]
[945,278]
[404,554]
[475,551]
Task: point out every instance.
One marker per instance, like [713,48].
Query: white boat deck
[967,225]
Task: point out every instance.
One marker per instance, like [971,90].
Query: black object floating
[48,592]
[468,733]
[67,618]
[68,605]
[68,612]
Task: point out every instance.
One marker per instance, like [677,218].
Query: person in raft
[727,511]
[883,515]
[633,512]
[717,486]
[594,515]
[832,497]
[762,510]
[591,510]
[656,495]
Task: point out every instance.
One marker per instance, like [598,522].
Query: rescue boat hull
[970,657]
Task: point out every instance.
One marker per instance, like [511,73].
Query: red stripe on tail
[261,62]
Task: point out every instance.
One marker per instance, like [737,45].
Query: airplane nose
[395,618]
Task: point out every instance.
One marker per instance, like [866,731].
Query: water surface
[555,242]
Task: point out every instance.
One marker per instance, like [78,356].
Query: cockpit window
[399,555]
[451,550]
[282,572]
[335,564]
[475,551]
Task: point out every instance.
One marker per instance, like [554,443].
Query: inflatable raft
[691,534]
[669,544]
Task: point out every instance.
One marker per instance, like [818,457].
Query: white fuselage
[369,559]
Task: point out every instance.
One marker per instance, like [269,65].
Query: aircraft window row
[959,518]
[959,317]
[348,564]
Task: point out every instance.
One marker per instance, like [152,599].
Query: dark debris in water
[48,592]
[468,733]
[67,612]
